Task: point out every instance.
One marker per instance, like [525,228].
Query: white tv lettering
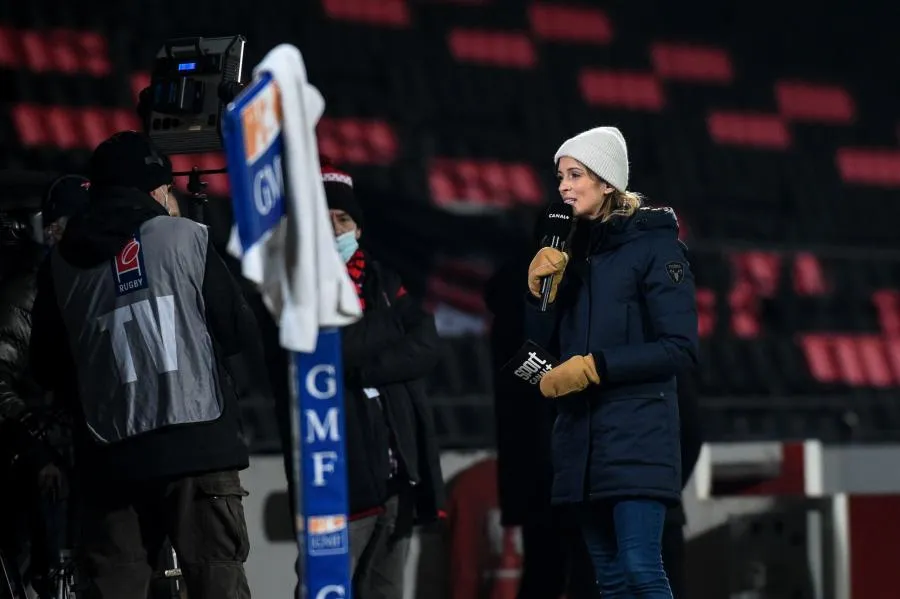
[158,335]
[332,591]
[114,322]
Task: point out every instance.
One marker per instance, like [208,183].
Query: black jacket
[18,391]
[691,438]
[97,236]
[524,418]
[17,291]
[392,348]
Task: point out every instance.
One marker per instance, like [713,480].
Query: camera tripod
[197,189]
[63,580]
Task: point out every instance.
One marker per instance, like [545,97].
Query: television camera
[192,80]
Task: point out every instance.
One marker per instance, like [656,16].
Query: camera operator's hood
[108,224]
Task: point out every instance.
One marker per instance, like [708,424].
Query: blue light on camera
[187,66]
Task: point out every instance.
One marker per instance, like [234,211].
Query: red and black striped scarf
[356,268]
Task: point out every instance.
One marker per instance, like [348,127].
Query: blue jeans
[624,540]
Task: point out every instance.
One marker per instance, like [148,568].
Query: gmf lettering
[332,591]
[323,463]
[327,372]
[268,186]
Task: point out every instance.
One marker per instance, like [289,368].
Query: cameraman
[151,371]
[26,463]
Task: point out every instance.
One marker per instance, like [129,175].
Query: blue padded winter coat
[627,298]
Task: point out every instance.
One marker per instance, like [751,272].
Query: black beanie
[67,195]
[339,192]
[129,159]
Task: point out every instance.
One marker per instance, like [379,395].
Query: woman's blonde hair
[618,203]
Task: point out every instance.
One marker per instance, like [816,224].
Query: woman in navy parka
[624,321]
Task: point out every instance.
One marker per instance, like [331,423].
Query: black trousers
[125,526]
[31,529]
[556,560]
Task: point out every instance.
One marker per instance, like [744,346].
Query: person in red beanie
[395,478]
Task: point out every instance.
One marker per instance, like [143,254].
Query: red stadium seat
[748,129]
[684,62]
[572,24]
[629,90]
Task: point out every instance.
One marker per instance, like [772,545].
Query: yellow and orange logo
[261,120]
[323,525]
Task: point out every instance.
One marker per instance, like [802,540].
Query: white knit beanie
[603,150]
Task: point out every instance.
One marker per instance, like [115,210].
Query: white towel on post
[301,276]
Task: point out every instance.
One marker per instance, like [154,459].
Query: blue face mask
[347,244]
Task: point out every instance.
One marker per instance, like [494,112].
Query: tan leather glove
[548,261]
[572,376]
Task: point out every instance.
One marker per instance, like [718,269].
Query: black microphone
[559,222]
